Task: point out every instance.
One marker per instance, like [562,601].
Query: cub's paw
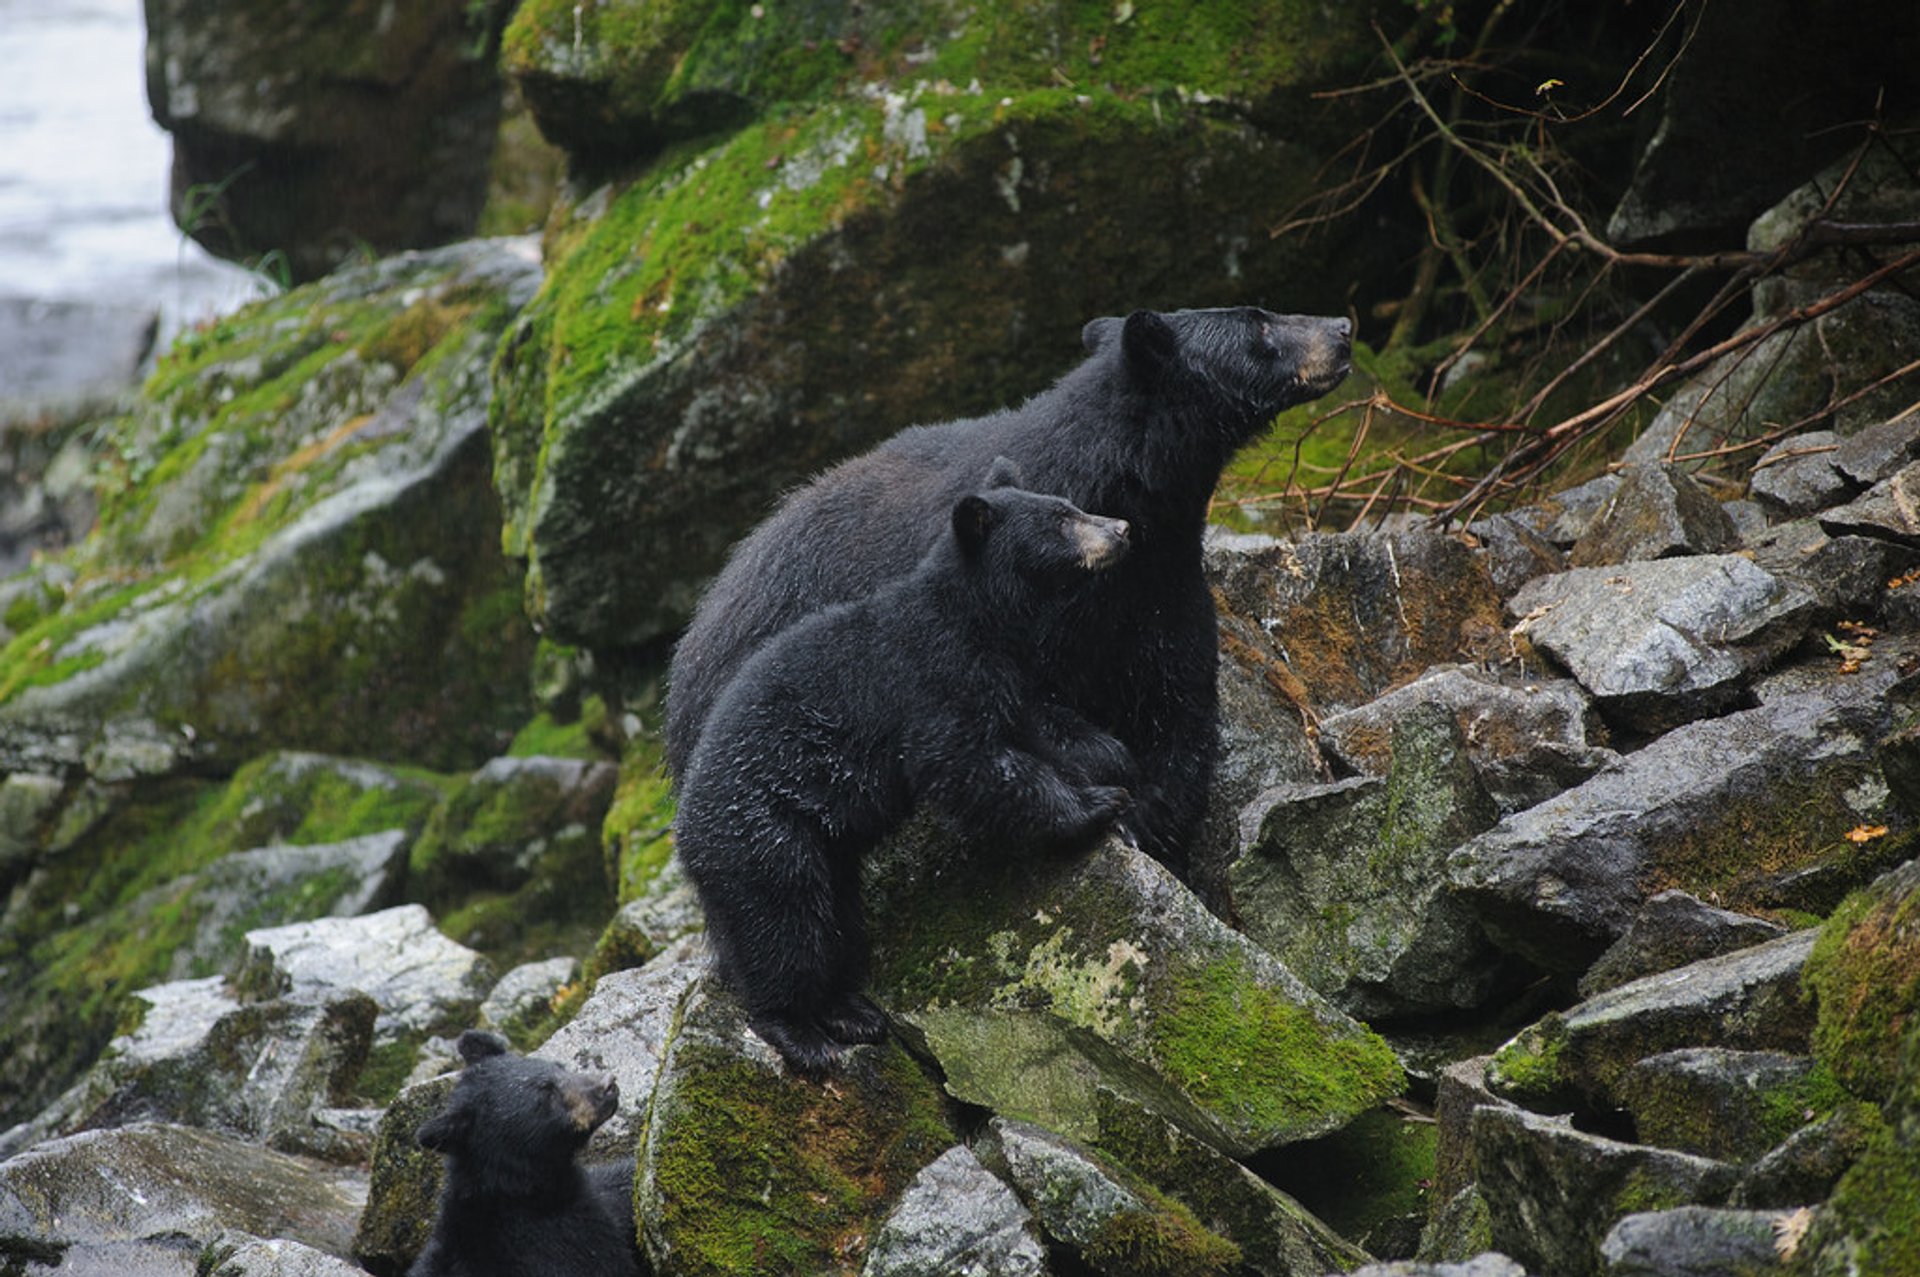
[854,1018]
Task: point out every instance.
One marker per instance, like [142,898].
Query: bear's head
[1238,365]
[1017,536]
[513,1123]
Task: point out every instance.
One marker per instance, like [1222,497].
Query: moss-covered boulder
[403,1190]
[297,543]
[1864,973]
[741,315]
[746,1169]
[311,133]
[1871,1225]
[1032,979]
[1731,1105]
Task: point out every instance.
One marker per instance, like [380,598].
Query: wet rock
[1868,1225]
[1553,1192]
[1672,929]
[524,996]
[1799,476]
[1749,1000]
[872,224]
[1877,452]
[1348,616]
[103,1195]
[403,1190]
[1735,807]
[1491,1264]
[1887,510]
[1656,512]
[1528,740]
[1805,1166]
[1865,976]
[736,1147]
[1044,973]
[1730,1105]
[1345,882]
[1694,1241]
[957,1217]
[668,910]
[623,1029]
[1514,551]
[1667,640]
[421,981]
[300,555]
[1565,517]
[1113,1223]
[1847,574]
[1460,1091]
[235,1254]
[315,132]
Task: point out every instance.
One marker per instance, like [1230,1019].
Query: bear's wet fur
[841,726]
[1139,431]
[516,1202]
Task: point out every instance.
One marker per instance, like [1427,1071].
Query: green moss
[757,1173]
[1375,1170]
[1528,1069]
[386,1070]
[1167,1242]
[545,737]
[1864,973]
[1645,1189]
[638,832]
[1244,1049]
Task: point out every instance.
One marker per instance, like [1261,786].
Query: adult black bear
[843,724]
[1140,431]
[515,1202]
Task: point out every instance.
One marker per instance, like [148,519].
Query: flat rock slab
[1890,509]
[1798,475]
[1672,929]
[1670,638]
[1732,1105]
[1694,1241]
[957,1217]
[1876,452]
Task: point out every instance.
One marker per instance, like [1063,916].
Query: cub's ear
[477,1044]
[438,1134]
[1099,332]
[972,520]
[1149,342]
[1004,474]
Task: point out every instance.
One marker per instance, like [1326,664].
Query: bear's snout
[1103,542]
[592,1099]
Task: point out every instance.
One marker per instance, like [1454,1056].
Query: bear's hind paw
[855,1019]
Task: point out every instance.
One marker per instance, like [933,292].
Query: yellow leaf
[1547,86]
[1866,833]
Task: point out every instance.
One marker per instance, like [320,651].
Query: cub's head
[1240,362]
[512,1121]
[1017,535]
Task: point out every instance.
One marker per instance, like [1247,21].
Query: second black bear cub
[835,731]
[516,1203]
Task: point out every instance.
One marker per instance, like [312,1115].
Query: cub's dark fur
[1140,431]
[516,1203]
[836,729]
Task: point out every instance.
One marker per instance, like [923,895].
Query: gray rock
[1730,1105]
[404,1180]
[1798,475]
[1809,1162]
[1655,512]
[1693,1241]
[1672,929]
[62,358]
[1553,1192]
[421,981]
[1345,882]
[623,1029]
[99,1192]
[1564,517]
[1668,639]
[1528,740]
[668,910]
[957,1219]
[1735,806]
[1877,452]
[1460,1091]
[313,132]
[524,995]
[236,1254]
[1515,551]
[1890,509]
[1749,520]
[496,828]
[1094,1207]
[1490,1264]
[1847,574]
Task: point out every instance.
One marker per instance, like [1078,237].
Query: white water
[83,170]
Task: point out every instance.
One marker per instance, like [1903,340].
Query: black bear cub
[516,1203]
[924,692]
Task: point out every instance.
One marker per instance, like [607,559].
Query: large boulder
[302,133]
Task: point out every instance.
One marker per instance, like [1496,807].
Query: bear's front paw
[807,1050]
[855,1019]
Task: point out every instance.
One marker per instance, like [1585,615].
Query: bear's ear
[1099,332]
[438,1134]
[972,520]
[1149,343]
[477,1044]
[1004,474]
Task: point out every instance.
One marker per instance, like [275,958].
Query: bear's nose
[1120,530]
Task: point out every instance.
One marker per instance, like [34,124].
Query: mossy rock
[403,1192]
[1864,974]
[1870,1227]
[297,544]
[620,78]
[746,1169]
[1030,979]
[746,314]
[1369,1180]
